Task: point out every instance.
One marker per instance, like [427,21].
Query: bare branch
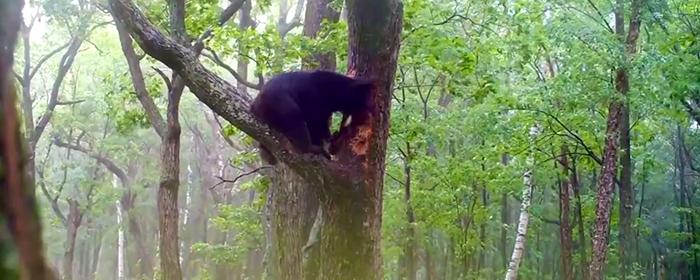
[105,161]
[46,57]
[607,24]
[63,103]
[53,200]
[165,78]
[234,180]
[216,59]
[18,77]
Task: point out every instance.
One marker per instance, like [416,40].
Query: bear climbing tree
[300,105]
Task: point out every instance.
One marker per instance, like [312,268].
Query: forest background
[527,139]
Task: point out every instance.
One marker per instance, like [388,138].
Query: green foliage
[245,221]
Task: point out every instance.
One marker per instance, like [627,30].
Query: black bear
[300,105]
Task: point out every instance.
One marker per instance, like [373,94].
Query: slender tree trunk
[120,237]
[410,247]
[74,220]
[168,212]
[519,246]
[565,237]
[482,228]
[605,194]
[245,22]
[614,124]
[583,263]
[505,211]
[684,245]
[626,194]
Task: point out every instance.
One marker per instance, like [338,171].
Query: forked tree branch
[63,68]
[139,83]
[216,59]
[105,161]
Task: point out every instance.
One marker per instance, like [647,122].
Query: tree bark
[612,140]
[626,193]
[684,162]
[294,204]
[18,208]
[168,212]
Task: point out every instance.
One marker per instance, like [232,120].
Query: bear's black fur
[300,105]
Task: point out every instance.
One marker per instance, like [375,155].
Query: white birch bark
[120,235]
[186,210]
[524,219]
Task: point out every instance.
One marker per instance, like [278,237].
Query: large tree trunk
[294,201]
[17,201]
[614,123]
[352,210]
[294,204]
